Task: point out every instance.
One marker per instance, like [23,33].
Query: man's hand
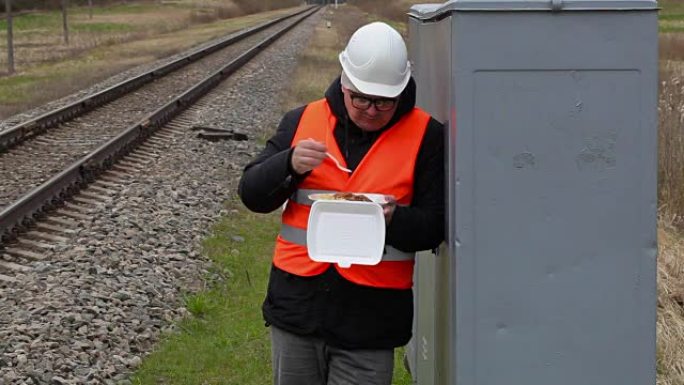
[307,155]
[388,208]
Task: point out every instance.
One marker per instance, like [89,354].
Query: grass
[671,16]
[224,341]
[671,7]
[670,325]
[15,89]
[33,21]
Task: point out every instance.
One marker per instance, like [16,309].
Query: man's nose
[372,110]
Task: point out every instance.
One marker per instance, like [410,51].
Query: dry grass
[670,326]
[671,142]
[672,46]
[393,11]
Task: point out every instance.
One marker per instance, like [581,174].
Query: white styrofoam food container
[346,232]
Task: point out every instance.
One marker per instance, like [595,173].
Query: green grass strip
[31,21]
[224,341]
[21,88]
[671,16]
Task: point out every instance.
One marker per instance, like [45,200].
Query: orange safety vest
[387,168]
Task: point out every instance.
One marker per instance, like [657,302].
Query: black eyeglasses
[363,102]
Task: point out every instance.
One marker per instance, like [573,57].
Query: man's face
[369,113]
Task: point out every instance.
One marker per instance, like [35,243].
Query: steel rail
[33,127]
[19,215]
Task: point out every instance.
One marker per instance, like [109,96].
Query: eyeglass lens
[364,103]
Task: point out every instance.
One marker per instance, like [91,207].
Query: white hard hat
[375,60]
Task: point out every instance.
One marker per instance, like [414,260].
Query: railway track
[59,167]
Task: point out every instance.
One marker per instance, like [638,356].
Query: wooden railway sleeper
[92,195]
[77,208]
[132,160]
[31,244]
[179,132]
[93,188]
[115,176]
[150,151]
[42,226]
[140,157]
[48,236]
[81,199]
[133,163]
[106,183]
[8,279]
[15,267]
[61,221]
[126,169]
[165,138]
[157,142]
[158,147]
[73,214]
[21,253]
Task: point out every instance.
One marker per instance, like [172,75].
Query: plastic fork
[337,163]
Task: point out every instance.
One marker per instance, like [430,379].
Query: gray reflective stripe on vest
[301,196]
[298,236]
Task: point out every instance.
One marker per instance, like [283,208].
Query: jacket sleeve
[269,180]
[421,225]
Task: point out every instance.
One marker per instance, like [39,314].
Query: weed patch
[32,21]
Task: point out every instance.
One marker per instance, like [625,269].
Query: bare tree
[65,5]
[10,37]
[90,9]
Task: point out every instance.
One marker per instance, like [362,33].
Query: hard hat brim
[372,88]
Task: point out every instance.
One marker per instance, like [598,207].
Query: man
[331,325]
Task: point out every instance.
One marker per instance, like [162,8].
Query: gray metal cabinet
[548,276]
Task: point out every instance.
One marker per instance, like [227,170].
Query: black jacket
[345,314]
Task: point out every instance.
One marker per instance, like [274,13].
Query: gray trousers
[299,360]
